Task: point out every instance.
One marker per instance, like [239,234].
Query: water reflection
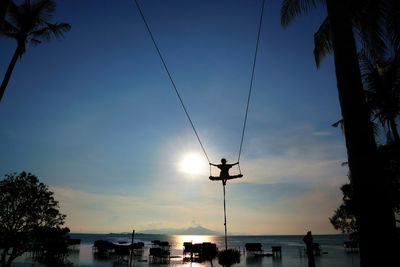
[253,260]
[290,251]
[277,262]
[195,239]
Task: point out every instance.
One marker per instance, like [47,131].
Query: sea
[334,254]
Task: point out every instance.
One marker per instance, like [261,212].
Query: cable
[251,81]
[170,78]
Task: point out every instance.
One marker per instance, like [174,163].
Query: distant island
[198,230]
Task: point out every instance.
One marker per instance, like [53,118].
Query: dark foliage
[351,23]
[228,257]
[29,216]
[344,217]
[381,81]
[50,245]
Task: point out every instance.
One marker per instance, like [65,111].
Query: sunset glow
[195,239]
[192,164]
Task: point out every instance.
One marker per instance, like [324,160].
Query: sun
[192,163]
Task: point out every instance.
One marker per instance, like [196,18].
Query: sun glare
[195,239]
[192,164]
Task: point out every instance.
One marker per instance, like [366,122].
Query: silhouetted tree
[344,216]
[27,209]
[228,257]
[29,23]
[369,193]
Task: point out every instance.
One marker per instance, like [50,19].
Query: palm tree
[381,79]
[29,23]
[374,216]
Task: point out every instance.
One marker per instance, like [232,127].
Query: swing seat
[218,178]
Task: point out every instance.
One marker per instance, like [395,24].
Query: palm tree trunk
[373,212]
[395,133]
[9,71]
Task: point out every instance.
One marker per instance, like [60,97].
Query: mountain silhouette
[197,230]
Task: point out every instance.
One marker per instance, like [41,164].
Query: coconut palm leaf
[393,22]
[42,10]
[290,9]
[369,20]
[46,33]
[322,42]
[9,30]
[30,22]
[381,80]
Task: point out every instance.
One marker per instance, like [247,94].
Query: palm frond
[57,30]
[369,20]
[35,42]
[369,72]
[322,42]
[381,81]
[396,69]
[393,22]
[10,35]
[339,123]
[42,10]
[8,28]
[375,128]
[13,14]
[290,9]
[29,22]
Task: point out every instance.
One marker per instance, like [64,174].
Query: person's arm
[235,163]
[213,164]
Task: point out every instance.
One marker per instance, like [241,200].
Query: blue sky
[95,117]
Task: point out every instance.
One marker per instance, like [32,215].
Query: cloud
[295,156]
[290,185]
[321,133]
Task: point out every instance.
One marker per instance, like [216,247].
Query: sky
[95,117]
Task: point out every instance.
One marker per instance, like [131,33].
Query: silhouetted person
[308,239]
[224,167]
[224,174]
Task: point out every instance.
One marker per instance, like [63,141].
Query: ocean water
[292,248]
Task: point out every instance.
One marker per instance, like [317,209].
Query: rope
[251,82]
[170,78]
[180,98]
[226,238]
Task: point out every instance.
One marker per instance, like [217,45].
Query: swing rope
[180,98]
[251,84]
[170,78]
